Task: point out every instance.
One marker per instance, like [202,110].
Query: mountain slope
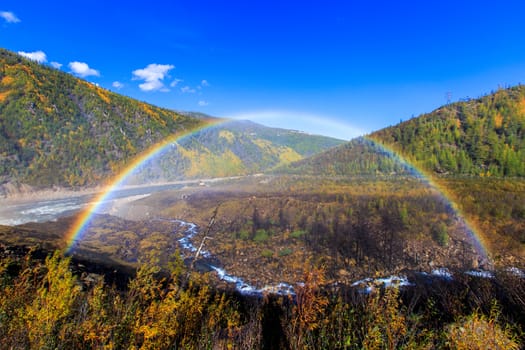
[359,156]
[232,148]
[473,150]
[57,130]
[485,136]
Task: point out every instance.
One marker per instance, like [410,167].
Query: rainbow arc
[80,226]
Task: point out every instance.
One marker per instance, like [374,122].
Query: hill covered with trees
[234,147]
[477,137]
[484,136]
[58,130]
[360,156]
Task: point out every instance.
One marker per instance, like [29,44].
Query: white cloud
[187,90]
[203,103]
[205,83]
[117,85]
[175,82]
[82,69]
[56,65]
[9,17]
[37,56]
[153,75]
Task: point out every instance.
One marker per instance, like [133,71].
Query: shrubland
[44,305]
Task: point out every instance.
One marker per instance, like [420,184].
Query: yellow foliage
[96,328]
[288,155]
[498,121]
[103,95]
[308,312]
[228,135]
[153,114]
[7,80]
[53,302]
[22,142]
[29,72]
[205,163]
[522,107]
[42,99]
[3,95]
[479,332]
[386,325]
[265,144]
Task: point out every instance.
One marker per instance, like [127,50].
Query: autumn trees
[44,305]
[482,137]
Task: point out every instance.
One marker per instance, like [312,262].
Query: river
[17,212]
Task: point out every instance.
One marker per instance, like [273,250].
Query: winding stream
[366,285]
[191,229]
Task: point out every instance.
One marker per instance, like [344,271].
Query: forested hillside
[360,156]
[232,148]
[481,137]
[56,129]
[484,136]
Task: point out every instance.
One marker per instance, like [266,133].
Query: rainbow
[77,230]
[478,240]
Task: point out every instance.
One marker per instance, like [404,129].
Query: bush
[261,236]
[244,235]
[479,332]
[285,252]
[267,253]
[297,233]
[440,234]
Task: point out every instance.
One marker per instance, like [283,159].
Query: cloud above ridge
[37,56]
[117,85]
[82,69]
[153,75]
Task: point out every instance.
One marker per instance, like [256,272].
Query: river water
[190,230]
[44,210]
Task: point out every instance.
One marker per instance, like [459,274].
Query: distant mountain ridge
[58,130]
[357,157]
[234,147]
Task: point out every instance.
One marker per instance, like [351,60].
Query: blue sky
[340,68]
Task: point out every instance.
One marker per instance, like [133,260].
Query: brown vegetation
[44,305]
